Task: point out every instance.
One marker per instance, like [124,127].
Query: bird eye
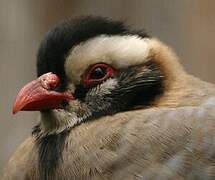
[97,73]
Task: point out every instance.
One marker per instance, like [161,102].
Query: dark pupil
[98,73]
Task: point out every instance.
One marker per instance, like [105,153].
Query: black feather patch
[50,154]
[58,41]
[148,85]
[139,85]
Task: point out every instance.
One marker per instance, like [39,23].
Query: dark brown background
[188,26]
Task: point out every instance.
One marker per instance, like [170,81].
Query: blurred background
[188,26]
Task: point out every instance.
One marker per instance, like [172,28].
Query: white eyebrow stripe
[119,51]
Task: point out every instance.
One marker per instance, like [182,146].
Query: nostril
[49,81]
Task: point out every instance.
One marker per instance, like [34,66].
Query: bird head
[92,67]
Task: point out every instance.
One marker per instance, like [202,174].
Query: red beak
[39,95]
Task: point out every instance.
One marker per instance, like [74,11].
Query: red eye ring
[98,73]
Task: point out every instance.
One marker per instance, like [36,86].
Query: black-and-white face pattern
[107,73]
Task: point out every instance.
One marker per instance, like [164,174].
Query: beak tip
[15,110]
